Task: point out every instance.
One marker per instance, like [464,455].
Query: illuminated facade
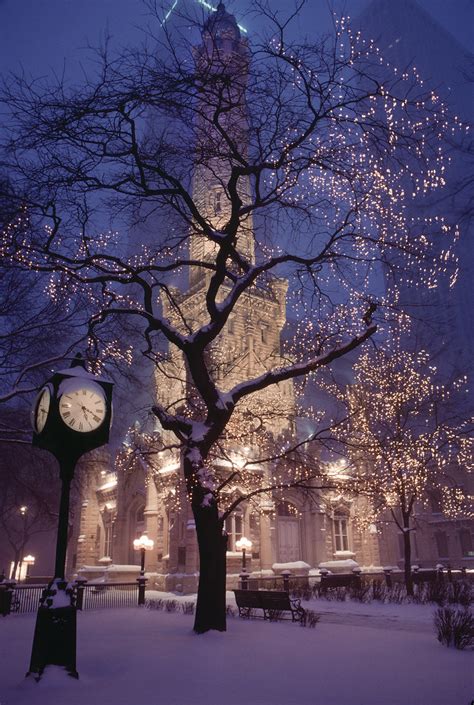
[285,528]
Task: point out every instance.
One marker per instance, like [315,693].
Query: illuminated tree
[406,439]
[35,330]
[305,139]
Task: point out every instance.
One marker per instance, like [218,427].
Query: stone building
[298,528]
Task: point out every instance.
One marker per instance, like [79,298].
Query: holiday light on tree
[328,146]
[406,439]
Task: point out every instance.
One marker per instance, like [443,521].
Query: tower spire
[223,54]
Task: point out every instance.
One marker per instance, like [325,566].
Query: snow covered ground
[357,655]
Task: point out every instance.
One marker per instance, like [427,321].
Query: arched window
[138,517]
[341,536]
[234,528]
[218,203]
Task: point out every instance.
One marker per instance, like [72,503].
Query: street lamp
[23,513]
[243,545]
[143,544]
[28,560]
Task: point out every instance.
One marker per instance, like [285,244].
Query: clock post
[71,416]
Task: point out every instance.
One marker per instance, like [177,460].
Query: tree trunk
[407,555]
[211,606]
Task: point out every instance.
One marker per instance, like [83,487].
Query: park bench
[350,580]
[272,602]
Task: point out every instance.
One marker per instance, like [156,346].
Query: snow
[114,568]
[58,597]
[347,564]
[357,655]
[295,565]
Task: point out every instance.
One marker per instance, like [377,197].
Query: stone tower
[151,496]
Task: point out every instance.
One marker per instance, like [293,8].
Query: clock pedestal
[54,641]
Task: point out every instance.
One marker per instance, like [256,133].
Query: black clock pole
[66,474]
[54,641]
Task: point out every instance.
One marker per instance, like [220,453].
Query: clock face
[83,408]
[42,409]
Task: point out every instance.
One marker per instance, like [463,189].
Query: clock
[41,409]
[82,405]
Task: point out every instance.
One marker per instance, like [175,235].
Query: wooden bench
[342,580]
[271,602]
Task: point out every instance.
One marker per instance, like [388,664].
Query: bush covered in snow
[454,627]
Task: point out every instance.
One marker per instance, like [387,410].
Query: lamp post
[143,544]
[28,560]
[23,512]
[243,545]
[71,416]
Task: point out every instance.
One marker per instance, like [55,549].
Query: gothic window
[139,521]
[285,509]
[234,529]
[442,544]
[264,334]
[435,501]
[341,538]
[182,555]
[465,539]
[108,538]
[253,522]
[401,545]
[215,201]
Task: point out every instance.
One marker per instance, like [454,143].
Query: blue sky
[45,35]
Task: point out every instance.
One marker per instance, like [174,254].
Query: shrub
[311,619]
[275,615]
[460,592]
[171,605]
[454,626]
[154,604]
[302,592]
[361,594]
[187,607]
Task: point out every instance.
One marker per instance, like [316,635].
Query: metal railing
[388,577]
[96,597]
[21,599]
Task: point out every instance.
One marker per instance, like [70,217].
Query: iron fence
[107,596]
[21,599]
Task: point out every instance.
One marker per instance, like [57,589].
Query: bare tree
[38,328]
[254,167]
